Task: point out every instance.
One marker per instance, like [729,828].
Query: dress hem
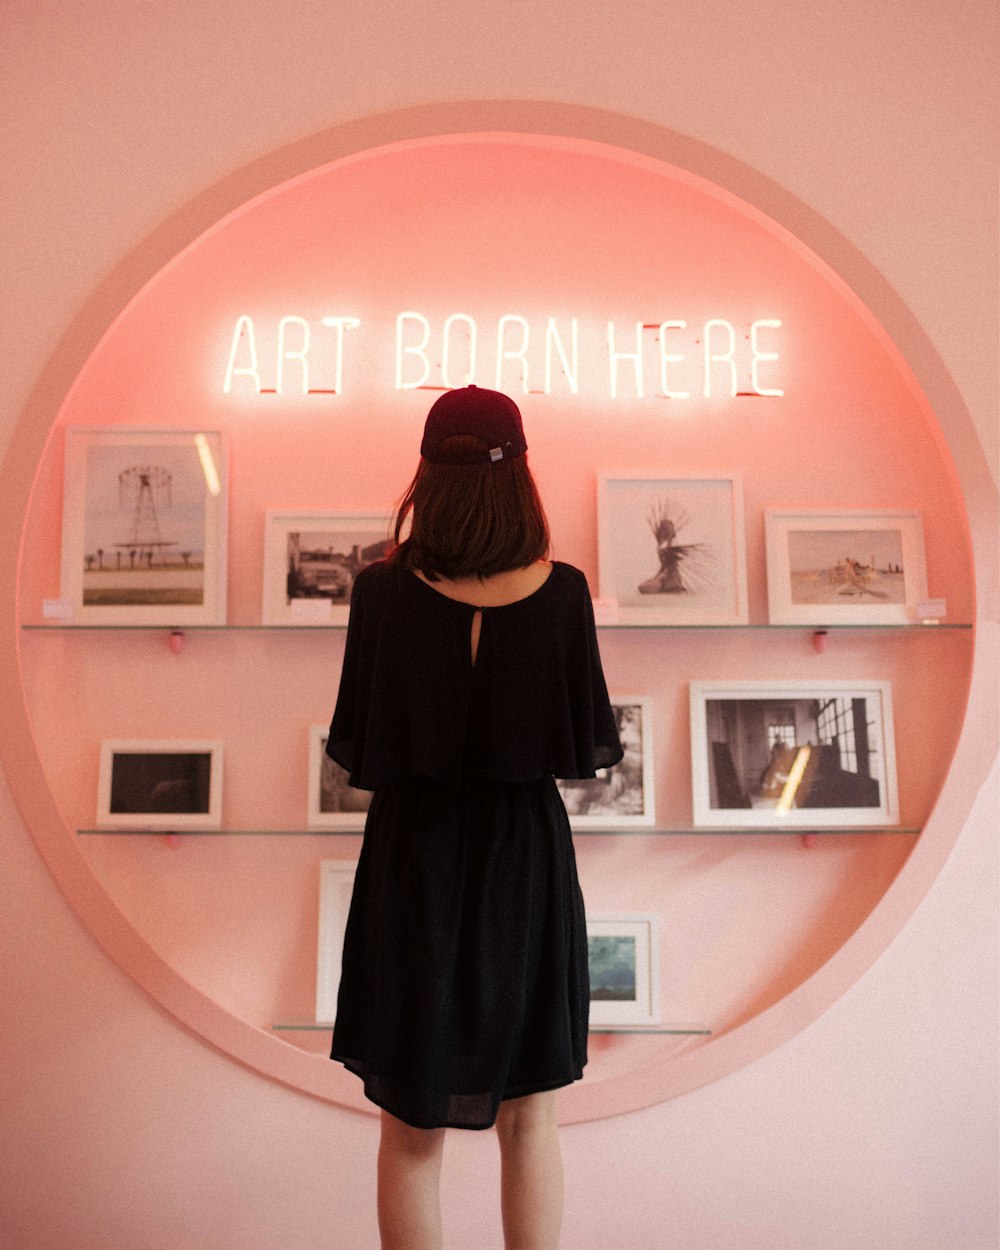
[524,1091]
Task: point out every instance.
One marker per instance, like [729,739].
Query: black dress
[464,975]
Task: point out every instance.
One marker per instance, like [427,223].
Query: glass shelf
[680,832]
[71,627]
[222,833]
[908,626]
[661,1030]
[743,831]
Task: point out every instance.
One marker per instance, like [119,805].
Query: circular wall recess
[654,305]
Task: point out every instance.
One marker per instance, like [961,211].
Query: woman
[471,679]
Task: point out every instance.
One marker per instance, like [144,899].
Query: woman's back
[496,591]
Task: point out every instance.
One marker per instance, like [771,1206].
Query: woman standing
[471,680]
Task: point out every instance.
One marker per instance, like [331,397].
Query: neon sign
[669,359]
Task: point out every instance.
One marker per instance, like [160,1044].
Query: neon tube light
[668,359]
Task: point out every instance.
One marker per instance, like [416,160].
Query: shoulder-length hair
[470,520]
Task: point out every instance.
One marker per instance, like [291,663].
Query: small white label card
[606,611]
[57,609]
[931,609]
[316,610]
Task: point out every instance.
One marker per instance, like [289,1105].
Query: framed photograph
[671,550]
[623,956]
[333,804]
[144,526]
[799,753]
[622,797]
[336,886]
[311,560]
[163,785]
[844,566]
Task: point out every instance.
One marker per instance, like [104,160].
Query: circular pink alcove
[654,325]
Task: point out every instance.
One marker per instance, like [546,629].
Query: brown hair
[470,520]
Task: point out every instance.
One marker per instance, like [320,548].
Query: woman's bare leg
[531,1176]
[409,1185]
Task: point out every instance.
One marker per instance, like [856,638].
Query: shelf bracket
[821,638]
[175,641]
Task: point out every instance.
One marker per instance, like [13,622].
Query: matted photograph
[336,885]
[671,550]
[847,566]
[624,963]
[333,804]
[144,526]
[311,560]
[165,785]
[793,753]
[622,797]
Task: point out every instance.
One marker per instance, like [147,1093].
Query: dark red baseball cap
[486,415]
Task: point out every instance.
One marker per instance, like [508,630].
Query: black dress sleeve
[403,696]
[602,739]
[547,701]
[345,741]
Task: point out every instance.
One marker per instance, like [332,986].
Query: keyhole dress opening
[477,629]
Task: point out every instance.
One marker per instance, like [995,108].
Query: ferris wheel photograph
[143,522]
[144,527]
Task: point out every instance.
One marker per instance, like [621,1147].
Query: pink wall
[211,1154]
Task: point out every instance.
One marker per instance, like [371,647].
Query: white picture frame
[311,559]
[166,785]
[144,526]
[336,888]
[798,754]
[624,961]
[835,566]
[332,803]
[624,796]
[671,549]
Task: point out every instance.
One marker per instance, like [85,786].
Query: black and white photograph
[622,797]
[311,560]
[623,961]
[144,533]
[336,885]
[159,785]
[861,567]
[333,804]
[794,753]
[671,550]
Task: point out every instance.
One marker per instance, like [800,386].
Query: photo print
[828,566]
[311,560]
[800,753]
[622,797]
[144,534]
[163,785]
[623,960]
[336,886]
[333,804]
[671,549]
[846,567]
